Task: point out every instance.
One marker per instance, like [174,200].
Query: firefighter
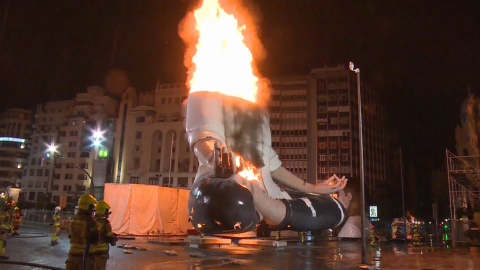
[416,236]
[56,225]
[17,220]
[9,204]
[372,236]
[4,229]
[106,235]
[83,232]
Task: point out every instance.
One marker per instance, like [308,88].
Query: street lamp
[97,139]
[362,172]
[50,155]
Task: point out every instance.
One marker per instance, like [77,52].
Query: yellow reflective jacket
[4,220]
[106,235]
[17,219]
[83,230]
[56,220]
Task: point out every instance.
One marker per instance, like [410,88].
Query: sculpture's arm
[219,160]
[204,151]
[329,186]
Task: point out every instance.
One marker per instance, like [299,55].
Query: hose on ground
[32,265]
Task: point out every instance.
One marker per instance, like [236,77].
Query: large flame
[222,62]
[249,171]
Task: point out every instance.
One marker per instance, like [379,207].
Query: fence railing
[46,217]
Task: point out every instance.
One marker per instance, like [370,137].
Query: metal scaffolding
[463,181]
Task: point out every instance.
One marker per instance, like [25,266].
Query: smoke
[247,14]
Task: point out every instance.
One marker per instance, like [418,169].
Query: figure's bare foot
[344,198]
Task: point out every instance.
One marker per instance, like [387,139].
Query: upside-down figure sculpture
[230,134]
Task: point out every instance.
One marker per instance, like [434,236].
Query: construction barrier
[147,209]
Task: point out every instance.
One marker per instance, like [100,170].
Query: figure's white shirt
[215,116]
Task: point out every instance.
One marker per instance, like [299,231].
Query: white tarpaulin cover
[143,209]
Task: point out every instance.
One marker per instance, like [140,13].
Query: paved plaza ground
[33,246]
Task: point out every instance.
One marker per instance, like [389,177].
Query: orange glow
[222,61]
[249,171]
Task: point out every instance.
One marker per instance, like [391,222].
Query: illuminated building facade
[151,146]
[67,124]
[15,141]
[314,123]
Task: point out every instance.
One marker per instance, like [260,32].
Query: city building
[314,123]
[151,145]
[15,141]
[63,151]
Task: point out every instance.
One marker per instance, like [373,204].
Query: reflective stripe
[80,228]
[56,220]
[4,220]
[105,230]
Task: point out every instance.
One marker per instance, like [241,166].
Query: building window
[333,145]
[38,184]
[32,172]
[72,144]
[322,170]
[71,154]
[134,180]
[344,144]
[67,188]
[141,119]
[138,136]
[345,170]
[322,157]
[30,184]
[33,161]
[182,182]
[31,196]
[55,187]
[84,165]
[136,163]
[153,181]
[74,133]
[68,176]
[157,165]
[165,182]
[82,177]
[47,172]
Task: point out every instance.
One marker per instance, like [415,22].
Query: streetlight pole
[403,199]
[52,148]
[170,161]
[89,177]
[97,138]
[362,171]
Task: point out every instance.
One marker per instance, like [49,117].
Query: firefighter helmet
[87,202]
[16,209]
[102,208]
[58,209]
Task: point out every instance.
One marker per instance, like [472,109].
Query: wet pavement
[33,246]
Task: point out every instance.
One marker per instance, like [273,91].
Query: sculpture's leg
[302,214]
[312,213]
[221,205]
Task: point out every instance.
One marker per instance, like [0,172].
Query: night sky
[423,54]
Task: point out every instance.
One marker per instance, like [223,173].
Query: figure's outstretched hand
[331,185]
[224,162]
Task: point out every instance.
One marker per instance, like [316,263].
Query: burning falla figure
[222,129]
